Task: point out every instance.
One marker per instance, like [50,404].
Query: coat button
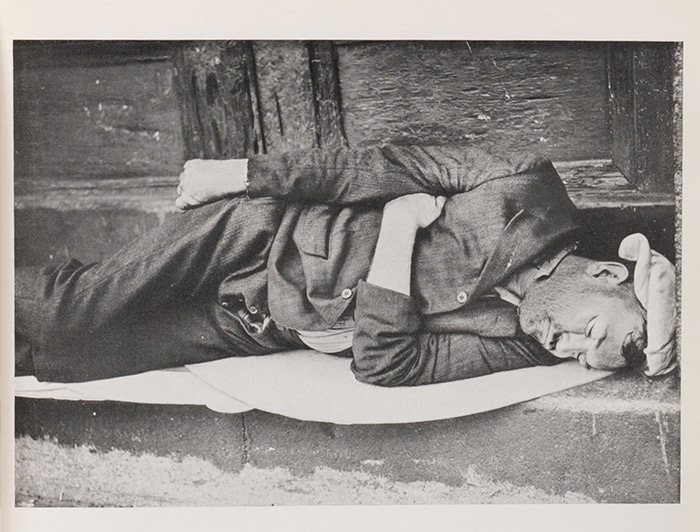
[252,309]
[346,293]
[462,297]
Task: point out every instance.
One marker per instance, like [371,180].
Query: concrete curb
[611,442]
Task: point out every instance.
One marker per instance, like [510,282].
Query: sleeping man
[423,264]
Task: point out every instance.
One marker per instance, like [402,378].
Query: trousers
[156,303]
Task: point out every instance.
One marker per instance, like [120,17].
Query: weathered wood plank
[118,120]
[653,93]
[218,98]
[599,184]
[620,72]
[323,61]
[39,54]
[286,97]
[549,97]
[641,84]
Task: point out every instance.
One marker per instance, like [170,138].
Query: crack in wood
[278,110]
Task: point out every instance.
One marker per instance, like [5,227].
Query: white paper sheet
[177,386]
[312,386]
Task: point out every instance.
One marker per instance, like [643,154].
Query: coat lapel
[522,239]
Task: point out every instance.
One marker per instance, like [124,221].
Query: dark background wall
[103,127]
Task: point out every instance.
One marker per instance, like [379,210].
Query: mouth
[582,360]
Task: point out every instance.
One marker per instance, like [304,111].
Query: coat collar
[521,241]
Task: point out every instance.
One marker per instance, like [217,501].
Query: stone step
[612,441]
[591,184]
[56,219]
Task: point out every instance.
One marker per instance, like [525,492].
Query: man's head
[586,310]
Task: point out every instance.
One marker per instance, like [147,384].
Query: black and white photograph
[255,272]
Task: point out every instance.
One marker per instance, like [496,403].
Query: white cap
[655,287]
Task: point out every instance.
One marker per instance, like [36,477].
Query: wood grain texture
[101,121]
[643,113]
[547,97]
[38,54]
[286,97]
[653,93]
[218,100]
[323,61]
[620,73]
[595,184]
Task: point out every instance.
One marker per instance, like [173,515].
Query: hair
[633,349]
[635,342]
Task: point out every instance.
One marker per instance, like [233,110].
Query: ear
[612,272]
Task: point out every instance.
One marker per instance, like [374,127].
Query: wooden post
[286,96]
[240,98]
[219,100]
[323,61]
[644,111]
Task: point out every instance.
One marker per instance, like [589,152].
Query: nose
[573,344]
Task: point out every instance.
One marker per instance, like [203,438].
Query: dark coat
[502,213]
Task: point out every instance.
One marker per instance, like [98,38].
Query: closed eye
[589,327]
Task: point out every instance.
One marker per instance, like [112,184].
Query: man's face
[575,314]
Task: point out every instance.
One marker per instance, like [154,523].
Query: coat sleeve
[389,348]
[379,174]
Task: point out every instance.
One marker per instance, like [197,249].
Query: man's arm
[346,176]
[380,173]
[389,348]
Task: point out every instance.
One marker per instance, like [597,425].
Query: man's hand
[204,181]
[402,217]
[415,210]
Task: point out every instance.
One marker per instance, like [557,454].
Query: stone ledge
[591,184]
[625,391]
[56,219]
[616,440]
[603,456]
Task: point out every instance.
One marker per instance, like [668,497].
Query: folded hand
[415,210]
[204,181]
